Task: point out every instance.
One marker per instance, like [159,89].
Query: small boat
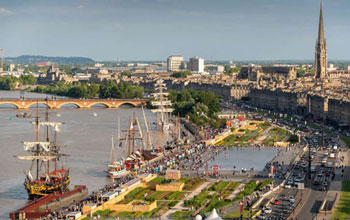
[58,115]
[23,115]
[94,114]
[115,169]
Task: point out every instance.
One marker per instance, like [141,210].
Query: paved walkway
[179,206]
[237,190]
[264,135]
[336,185]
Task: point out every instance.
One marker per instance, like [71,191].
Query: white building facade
[175,63]
[196,64]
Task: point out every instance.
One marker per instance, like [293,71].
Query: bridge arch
[31,104]
[107,105]
[68,103]
[9,103]
[126,103]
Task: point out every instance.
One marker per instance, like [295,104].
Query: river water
[244,158]
[87,139]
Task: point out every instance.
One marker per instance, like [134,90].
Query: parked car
[262,216]
[276,202]
[287,186]
[267,210]
[291,199]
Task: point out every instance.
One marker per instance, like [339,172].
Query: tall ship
[139,149]
[163,105]
[44,155]
[115,168]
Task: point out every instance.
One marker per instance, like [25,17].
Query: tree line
[11,83]
[200,107]
[87,90]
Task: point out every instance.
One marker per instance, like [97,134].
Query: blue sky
[154,29]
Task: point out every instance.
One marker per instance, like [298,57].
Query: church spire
[321,51]
[320,27]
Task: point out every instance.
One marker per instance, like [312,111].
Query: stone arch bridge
[80,103]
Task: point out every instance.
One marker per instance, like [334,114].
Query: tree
[27,79]
[8,83]
[181,74]
[230,70]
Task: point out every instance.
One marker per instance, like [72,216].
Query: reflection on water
[244,158]
[87,139]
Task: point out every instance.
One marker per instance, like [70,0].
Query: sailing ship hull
[116,174]
[38,189]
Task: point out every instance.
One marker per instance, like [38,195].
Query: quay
[42,207]
[80,103]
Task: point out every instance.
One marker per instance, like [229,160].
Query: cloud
[81,6]
[4,11]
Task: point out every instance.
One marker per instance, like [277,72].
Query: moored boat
[45,156]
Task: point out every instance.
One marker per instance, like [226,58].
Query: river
[87,139]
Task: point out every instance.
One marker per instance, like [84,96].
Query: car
[322,188]
[325,184]
[287,186]
[262,216]
[267,210]
[276,202]
[291,199]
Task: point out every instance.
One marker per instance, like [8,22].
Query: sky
[155,29]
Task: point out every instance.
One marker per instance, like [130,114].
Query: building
[196,64]
[12,67]
[99,65]
[53,74]
[331,67]
[175,63]
[215,69]
[321,52]
[269,73]
[41,64]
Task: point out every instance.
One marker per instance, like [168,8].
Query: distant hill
[32,59]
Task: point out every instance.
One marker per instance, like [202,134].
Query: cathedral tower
[321,52]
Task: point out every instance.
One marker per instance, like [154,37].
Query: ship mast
[112,160]
[47,132]
[37,138]
[149,141]
[118,141]
[131,135]
[163,105]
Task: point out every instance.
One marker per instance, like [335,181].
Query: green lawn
[275,135]
[236,214]
[157,180]
[343,209]
[228,141]
[191,183]
[261,185]
[346,140]
[233,186]
[137,193]
[198,200]
[264,125]
[175,196]
[219,186]
[248,189]
[181,214]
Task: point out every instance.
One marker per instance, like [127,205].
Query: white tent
[213,216]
